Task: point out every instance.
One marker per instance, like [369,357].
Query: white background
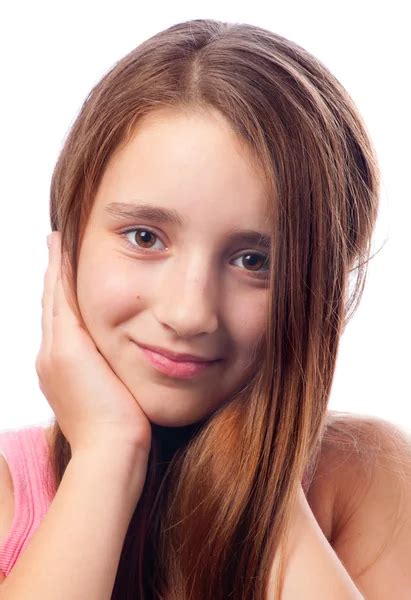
[52,53]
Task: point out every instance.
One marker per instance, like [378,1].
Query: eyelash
[123,234]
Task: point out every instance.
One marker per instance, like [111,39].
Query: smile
[178,369]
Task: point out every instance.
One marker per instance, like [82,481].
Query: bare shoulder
[361,497]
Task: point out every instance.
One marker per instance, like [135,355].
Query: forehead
[187,160]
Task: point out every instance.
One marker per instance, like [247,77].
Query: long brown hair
[216,501]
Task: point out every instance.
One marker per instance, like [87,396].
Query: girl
[213,198]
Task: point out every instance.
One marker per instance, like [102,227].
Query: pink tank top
[27,455]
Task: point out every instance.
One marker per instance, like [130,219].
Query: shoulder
[7,490]
[6,499]
[364,478]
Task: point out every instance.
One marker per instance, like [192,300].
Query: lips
[177,369]
[176,356]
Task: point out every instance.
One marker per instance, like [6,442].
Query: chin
[174,417]
[165,420]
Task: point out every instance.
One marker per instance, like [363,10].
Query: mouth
[177,356]
[177,368]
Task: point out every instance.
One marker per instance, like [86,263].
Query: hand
[91,404]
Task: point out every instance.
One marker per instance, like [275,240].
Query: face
[191,284]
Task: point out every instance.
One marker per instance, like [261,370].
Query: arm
[314,571]
[74,554]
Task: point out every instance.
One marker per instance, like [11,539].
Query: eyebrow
[160,214]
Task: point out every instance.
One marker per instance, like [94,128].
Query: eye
[143,237]
[255,260]
[144,240]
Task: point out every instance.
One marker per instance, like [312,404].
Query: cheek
[105,293]
[249,321]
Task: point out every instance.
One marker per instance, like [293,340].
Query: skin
[186,289]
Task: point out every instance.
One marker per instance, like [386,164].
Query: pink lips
[182,370]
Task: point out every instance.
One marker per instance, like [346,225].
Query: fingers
[48,294]
[58,317]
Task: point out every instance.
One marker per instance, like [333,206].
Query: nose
[189,301]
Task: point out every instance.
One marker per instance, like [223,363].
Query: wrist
[121,462]
[114,440]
